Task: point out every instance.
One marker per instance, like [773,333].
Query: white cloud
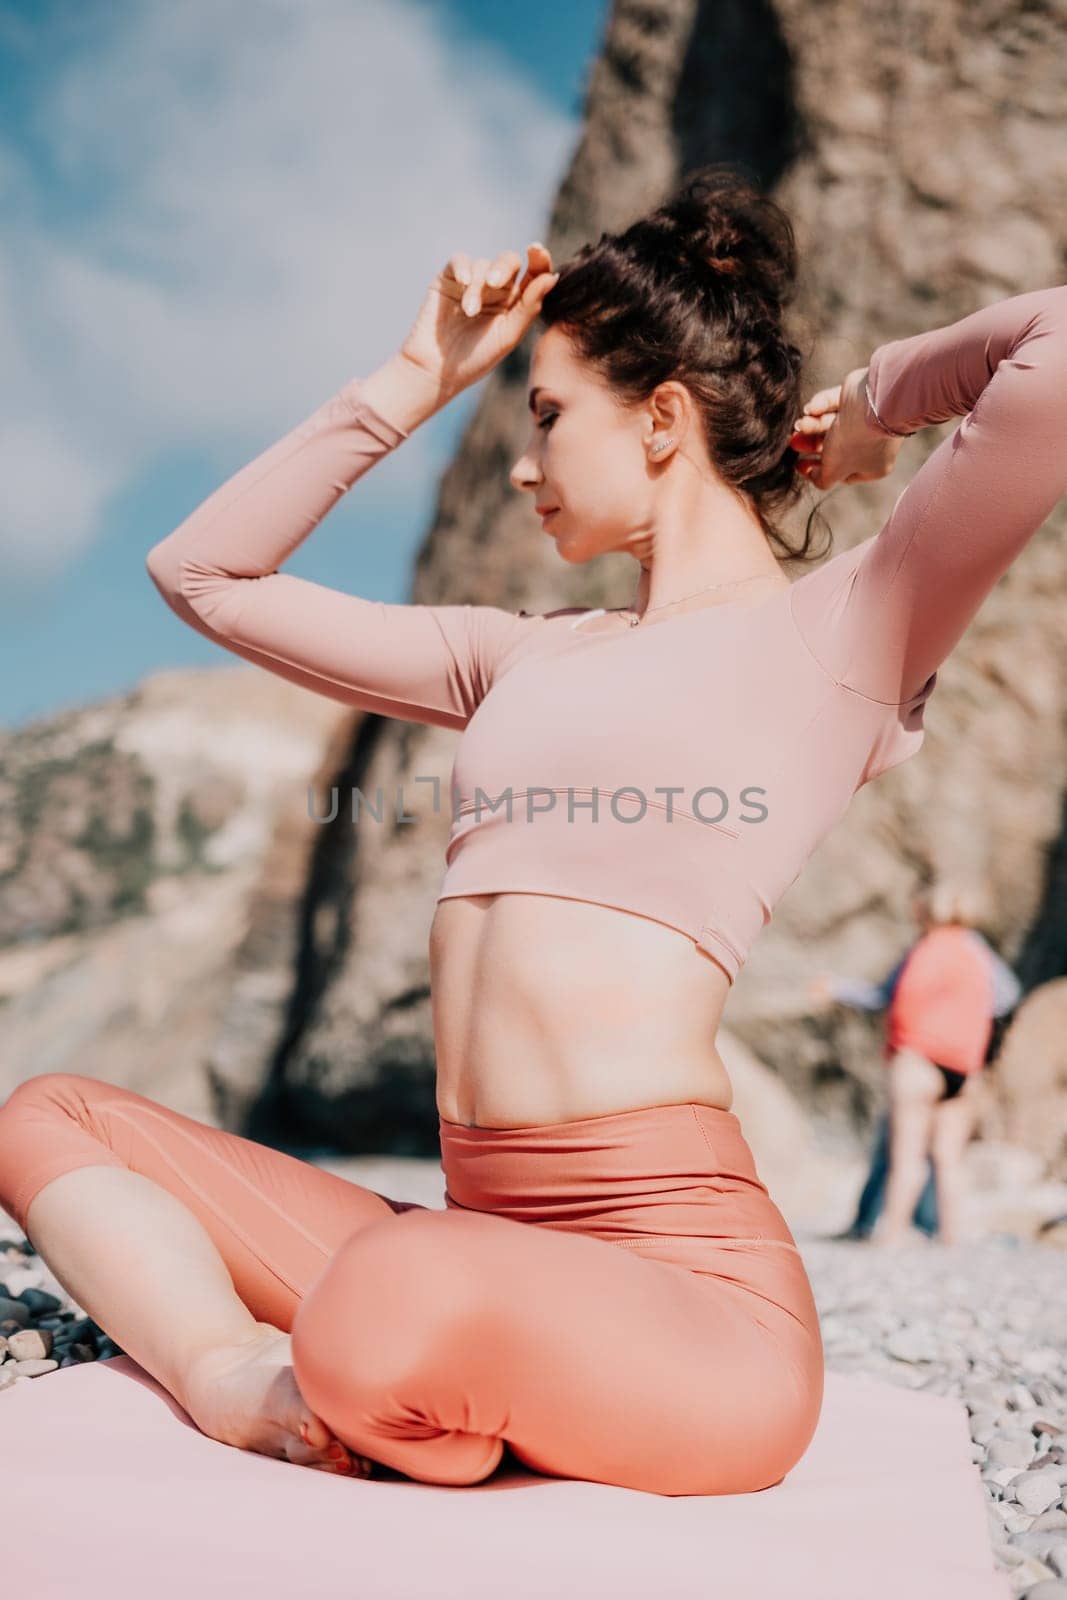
[264,189]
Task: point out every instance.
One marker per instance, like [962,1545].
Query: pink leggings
[655,1328]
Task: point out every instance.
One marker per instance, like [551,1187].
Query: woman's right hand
[474,313]
[836,441]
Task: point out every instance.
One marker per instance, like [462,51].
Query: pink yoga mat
[108,1488]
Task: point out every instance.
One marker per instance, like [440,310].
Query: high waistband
[657,1171]
[646,1127]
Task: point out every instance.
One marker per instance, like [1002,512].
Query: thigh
[915,1087]
[275,1220]
[954,1121]
[588,1360]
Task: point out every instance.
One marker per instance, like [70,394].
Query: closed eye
[548,419]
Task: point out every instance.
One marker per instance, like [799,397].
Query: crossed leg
[276,1221]
[427,1339]
[432,1338]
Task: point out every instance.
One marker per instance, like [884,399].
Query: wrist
[403,393]
[871,412]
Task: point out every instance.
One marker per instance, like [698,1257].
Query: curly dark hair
[694,291]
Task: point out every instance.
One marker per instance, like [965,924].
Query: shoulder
[837,565]
[506,636]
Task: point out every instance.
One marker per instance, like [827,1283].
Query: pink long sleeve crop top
[683,770]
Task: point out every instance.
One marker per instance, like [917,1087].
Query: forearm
[933,376]
[882,617]
[218,571]
[249,525]
[403,394]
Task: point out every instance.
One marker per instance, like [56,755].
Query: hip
[676,1183]
[917,1075]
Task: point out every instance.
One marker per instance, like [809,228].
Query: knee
[36,1103]
[28,1125]
[60,1089]
[398,1293]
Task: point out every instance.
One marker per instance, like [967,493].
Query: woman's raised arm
[217,571]
[882,617]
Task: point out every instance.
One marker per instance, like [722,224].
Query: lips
[546,511]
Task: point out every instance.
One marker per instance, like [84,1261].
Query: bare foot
[888,1241]
[247,1395]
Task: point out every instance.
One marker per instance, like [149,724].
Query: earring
[662,444]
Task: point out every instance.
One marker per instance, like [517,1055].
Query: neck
[681,560]
[700,586]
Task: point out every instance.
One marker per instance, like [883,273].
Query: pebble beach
[981,1322]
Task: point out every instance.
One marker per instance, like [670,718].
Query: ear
[670,405]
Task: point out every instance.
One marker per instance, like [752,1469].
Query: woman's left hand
[836,440]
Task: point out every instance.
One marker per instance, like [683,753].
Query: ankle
[202,1366]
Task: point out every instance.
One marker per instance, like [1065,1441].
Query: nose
[523,475]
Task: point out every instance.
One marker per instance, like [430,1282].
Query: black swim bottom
[954,1081]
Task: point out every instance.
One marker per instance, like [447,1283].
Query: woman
[943,997]
[655,1327]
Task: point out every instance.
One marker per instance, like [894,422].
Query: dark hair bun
[722,221]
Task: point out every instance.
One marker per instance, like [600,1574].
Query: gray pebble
[912,1344]
[1028,1574]
[1045,1360]
[34,1369]
[1010,1452]
[14,1310]
[30,1343]
[1036,1492]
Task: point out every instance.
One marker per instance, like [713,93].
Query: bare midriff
[548,1010]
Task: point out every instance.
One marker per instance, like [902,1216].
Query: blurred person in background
[942,998]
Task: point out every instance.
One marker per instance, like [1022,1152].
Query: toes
[345,1466]
[314,1432]
[334,1457]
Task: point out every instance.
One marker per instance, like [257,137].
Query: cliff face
[147,842]
[918,149]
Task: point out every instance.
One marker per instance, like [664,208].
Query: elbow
[200,594]
[183,581]
[164,570]
[189,589]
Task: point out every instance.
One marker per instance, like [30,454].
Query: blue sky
[214,214]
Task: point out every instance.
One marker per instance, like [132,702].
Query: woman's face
[586,456]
